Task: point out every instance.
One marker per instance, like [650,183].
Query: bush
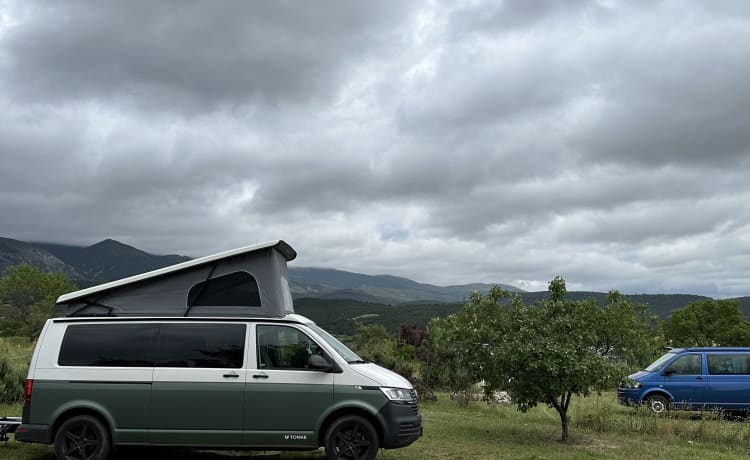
[11,383]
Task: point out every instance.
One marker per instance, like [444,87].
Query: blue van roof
[679,350]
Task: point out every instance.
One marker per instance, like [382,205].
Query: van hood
[639,375]
[380,375]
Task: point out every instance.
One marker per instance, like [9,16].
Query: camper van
[251,375]
[712,378]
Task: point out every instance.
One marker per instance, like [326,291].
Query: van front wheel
[351,438]
[82,437]
[657,404]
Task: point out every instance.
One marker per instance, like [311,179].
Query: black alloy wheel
[351,438]
[82,437]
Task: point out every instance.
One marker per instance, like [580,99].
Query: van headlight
[630,383]
[398,394]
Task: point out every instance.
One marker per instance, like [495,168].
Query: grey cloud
[450,143]
[190,56]
[675,96]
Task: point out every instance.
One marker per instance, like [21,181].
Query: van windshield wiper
[357,361]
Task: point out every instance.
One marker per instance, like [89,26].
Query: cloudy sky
[448,142]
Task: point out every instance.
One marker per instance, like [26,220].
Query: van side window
[201,345]
[283,347]
[238,289]
[728,364]
[115,345]
[686,365]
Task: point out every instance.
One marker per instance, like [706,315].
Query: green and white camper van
[231,367]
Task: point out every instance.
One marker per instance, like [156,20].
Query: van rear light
[27,393]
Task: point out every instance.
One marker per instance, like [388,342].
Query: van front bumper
[402,423]
[39,434]
[629,396]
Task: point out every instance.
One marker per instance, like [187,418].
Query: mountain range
[109,260]
[336,299]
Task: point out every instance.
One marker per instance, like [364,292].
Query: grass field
[600,428]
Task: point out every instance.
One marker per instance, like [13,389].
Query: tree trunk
[564,421]
[562,410]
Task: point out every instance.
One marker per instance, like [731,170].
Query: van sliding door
[728,380]
[198,387]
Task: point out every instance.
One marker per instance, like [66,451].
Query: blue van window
[659,363]
[686,365]
[726,364]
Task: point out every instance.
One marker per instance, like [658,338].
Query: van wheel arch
[79,411]
[344,412]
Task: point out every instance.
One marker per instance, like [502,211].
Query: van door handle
[699,378]
[260,376]
[233,375]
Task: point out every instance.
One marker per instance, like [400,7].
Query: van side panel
[197,407]
[123,405]
[284,408]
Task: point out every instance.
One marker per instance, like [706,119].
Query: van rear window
[728,364]
[115,345]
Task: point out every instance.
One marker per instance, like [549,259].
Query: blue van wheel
[658,404]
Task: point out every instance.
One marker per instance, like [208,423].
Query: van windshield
[659,363]
[343,351]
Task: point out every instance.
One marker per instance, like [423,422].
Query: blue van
[692,379]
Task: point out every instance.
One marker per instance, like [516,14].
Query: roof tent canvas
[249,281]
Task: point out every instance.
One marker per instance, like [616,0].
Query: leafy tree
[462,340]
[27,298]
[548,352]
[373,343]
[627,330]
[708,323]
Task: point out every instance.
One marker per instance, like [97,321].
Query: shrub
[11,383]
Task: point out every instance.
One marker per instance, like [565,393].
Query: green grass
[600,429]
[18,350]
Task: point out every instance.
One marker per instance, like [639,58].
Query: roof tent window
[238,289]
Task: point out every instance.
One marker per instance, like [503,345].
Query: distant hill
[14,252]
[336,299]
[108,260]
[341,316]
[338,284]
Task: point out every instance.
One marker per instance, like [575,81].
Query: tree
[461,341]
[708,323]
[628,330]
[548,352]
[27,299]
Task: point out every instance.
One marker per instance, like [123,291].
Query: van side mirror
[319,363]
[668,372]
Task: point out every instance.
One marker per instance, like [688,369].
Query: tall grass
[14,353]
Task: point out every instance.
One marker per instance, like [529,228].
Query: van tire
[82,437]
[351,437]
[658,404]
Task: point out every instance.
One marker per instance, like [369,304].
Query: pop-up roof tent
[249,281]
